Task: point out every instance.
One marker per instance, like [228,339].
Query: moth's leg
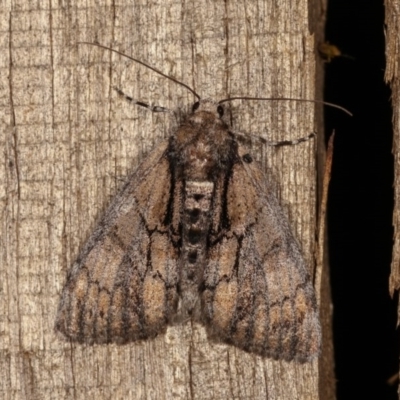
[290,142]
[249,137]
[141,104]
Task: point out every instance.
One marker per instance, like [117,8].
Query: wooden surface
[69,141]
[392,77]
[392,73]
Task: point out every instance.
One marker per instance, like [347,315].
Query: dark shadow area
[361,203]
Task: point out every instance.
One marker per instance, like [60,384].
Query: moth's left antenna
[145,65]
[288,99]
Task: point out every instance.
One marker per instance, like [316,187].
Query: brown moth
[196,232]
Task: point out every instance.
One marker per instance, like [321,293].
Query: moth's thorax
[203,143]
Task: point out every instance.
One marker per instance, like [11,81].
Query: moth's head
[209,106]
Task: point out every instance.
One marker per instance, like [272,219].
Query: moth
[195,233]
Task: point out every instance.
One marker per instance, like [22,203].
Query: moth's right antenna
[145,65]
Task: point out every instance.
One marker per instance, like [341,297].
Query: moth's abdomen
[196,221]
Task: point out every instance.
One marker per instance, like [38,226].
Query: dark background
[361,203]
